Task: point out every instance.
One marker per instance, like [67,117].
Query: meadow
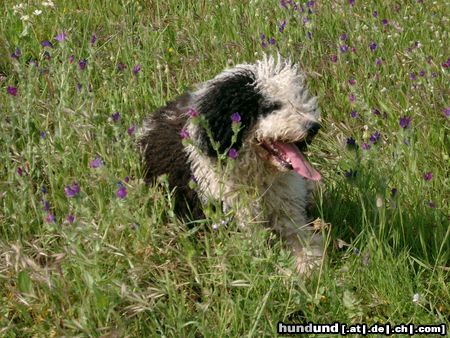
[87,249]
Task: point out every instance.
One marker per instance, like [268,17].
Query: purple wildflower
[126,179]
[343,48]
[351,142]
[351,2]
[374,138]
[96,163]
[72,190]
[12,90]
[192,113]
[17,53]
[184,134]
[20,171]
[50,218]
[354,114]
[446,112]
[46,205]
[136,69]
[412,76]
[61,37]
[71,58]
[344,37]
[93,39]
[333,58]
[44,189]
[394,192]
[373,46]
[70,218]
[428,176]
[310,3]
[404,121]
[235,117]
[82,64]
[131,130]
[282,26]
[43,134]
[309,35]
[283,4]
[446,64]
[350,173]
[352,98]
[422,73]
[365,146]
[121,191]
[375,14]
[385,22]
[46,43]
[378,61]
[233,153]
[272,41]
[121,66]
[115,116]
[351,82]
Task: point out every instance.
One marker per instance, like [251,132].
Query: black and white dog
[271,180]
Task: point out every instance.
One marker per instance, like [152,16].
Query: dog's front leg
[307,247]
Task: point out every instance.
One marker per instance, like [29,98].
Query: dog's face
[278,116]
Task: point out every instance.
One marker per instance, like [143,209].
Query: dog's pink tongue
[299,162]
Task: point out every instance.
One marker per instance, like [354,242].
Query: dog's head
[278,116]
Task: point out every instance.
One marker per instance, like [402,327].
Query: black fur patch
[163,153]
[236,93]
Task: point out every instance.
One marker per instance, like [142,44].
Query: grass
[127,266]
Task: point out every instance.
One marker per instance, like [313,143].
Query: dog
[264,117]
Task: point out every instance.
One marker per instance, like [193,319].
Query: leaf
[24,282]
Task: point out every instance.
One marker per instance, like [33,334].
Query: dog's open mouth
[288,156]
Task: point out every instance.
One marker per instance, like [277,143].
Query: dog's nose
[313,129]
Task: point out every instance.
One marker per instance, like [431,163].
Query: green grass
[128,267]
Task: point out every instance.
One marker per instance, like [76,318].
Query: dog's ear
[229,93]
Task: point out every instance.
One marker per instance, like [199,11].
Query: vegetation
[87,249]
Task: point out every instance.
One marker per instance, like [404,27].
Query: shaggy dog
[270,180]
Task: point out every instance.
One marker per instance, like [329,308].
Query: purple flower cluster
[192,113]
[235,117]
[96,163]
[233,153]
[282,26]
[115,116]
[72,190]
[184,134]
[17,53]
[12,90]
[375,137]
[60,37]
[121,191]
[265,40]
[404,121]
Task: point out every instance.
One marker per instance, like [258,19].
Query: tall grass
[112,259]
